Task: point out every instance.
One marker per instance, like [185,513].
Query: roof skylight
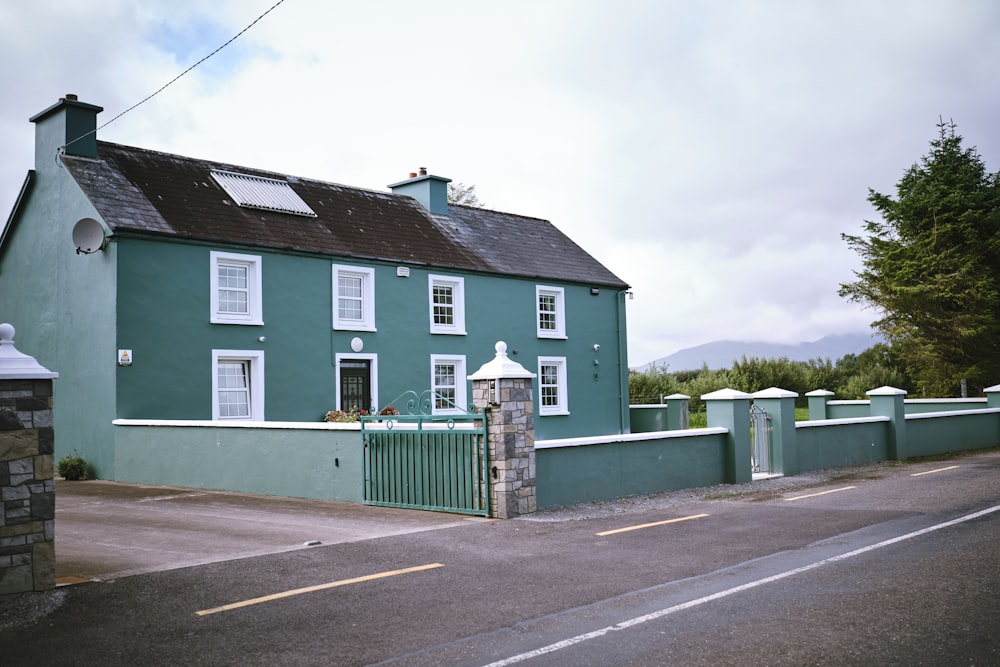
[267,194]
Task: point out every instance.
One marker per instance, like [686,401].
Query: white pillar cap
[17,366]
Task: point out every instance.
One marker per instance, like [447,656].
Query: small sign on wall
[124,357]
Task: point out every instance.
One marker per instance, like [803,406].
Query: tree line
[850,377]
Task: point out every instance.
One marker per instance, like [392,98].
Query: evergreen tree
[932,267]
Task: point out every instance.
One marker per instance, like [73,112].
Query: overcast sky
[708,153]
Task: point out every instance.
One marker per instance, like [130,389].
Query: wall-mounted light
[595,291]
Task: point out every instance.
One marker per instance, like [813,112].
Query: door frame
[372,360]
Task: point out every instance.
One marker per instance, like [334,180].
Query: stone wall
[27,487]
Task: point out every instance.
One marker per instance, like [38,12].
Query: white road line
[822,493]
[639,620]
[928,472]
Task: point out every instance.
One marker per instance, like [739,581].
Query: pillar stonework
[502,389]
[511,440]
[27,486]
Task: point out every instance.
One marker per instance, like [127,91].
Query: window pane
[547,312]
[549,385]
[233,289]
[350,297]
[444,305]
[234,389]
[444,386]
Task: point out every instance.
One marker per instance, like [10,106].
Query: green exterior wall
[62,304]
[612,470]
[322,464]
[648,418]
[163,317]
[929,436]
[836,445]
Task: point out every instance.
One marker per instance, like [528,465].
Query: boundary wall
[325,461]
[318,460]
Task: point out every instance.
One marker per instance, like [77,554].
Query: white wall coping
[840,422]
[952,413]
[208,423]
[629,437]
[944,400]
[648,405]
[850,402]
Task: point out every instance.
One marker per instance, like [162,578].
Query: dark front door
[355,385]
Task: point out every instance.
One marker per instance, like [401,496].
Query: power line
[166,85]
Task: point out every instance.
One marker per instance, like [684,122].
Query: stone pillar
[502,389]
[817,403]
[677,412]
[779,404]
[730,409]
[27,487]
[889,402]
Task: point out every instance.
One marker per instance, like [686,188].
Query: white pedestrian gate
[760,439]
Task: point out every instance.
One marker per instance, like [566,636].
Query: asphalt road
[888,565]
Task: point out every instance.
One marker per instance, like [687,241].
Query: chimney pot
[71,97]
[423,171]
[413,174]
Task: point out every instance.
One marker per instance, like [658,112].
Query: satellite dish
[88,236]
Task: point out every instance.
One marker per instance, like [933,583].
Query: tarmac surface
[107,530]
[879,564]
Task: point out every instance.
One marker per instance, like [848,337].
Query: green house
[163,287]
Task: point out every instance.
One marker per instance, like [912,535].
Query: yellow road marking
[650,525]
[928,472]
[319,587]
[821,493]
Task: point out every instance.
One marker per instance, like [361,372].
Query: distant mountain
[723,353]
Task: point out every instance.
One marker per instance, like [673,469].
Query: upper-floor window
[448,381]
[238,384]
[236,289]
[550,312]
[552,387]
[447,304]
[353,298]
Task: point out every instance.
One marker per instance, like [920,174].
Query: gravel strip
[761,490]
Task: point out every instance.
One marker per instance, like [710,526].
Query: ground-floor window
[448,382]
[238,384]
[552,390]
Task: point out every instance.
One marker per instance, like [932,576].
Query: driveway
[107,530]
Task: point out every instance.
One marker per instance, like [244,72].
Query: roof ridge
[237,168]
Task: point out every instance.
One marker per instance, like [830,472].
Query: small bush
[73,467]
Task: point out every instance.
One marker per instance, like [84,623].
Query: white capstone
[775,392]
[501,367]
[726,395]
[17,366]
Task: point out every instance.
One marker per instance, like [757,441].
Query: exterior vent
[266,194]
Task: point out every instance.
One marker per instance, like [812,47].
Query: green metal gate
[426,461]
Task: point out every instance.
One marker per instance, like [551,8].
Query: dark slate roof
[150,193]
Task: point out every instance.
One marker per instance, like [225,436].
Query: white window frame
[461,384]
[372,360]
[367,276]
[559,295]
[255,309]
[255,376]
[562,407]
[457,285]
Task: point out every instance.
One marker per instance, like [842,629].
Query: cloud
[710,154]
